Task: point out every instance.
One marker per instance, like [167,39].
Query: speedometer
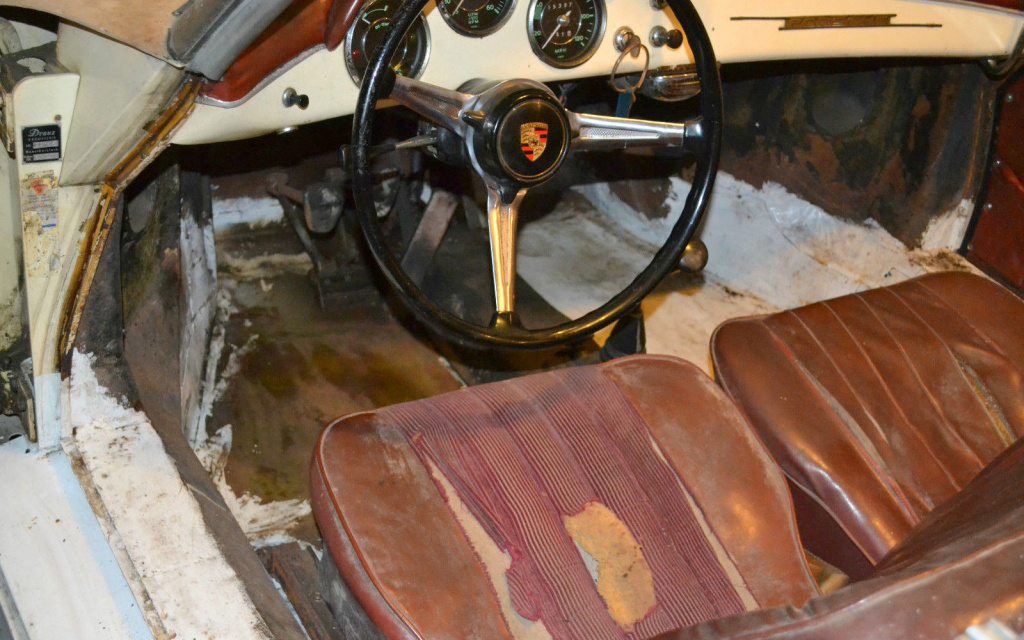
[368,31]
[475,17]
[565,33]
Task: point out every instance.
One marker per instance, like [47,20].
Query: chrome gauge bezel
[478,33]
[588,53]
[418,69]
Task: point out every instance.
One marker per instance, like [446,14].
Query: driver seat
[621,500]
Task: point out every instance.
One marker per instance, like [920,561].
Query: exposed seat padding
[614,501]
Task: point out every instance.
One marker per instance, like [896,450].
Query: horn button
[525,138]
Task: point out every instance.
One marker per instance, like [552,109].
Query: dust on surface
[940,261]
[624,579]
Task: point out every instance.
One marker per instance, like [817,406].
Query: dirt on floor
[289,368]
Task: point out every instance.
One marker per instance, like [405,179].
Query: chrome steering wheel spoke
[592,133]
[441,106]
[502,226]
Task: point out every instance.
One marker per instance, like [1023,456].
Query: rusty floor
[289,367]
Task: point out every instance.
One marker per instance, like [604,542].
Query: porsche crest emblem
[534,139]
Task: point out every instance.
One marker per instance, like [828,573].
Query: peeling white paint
[266,266]
[195,430]
[264,523]
[234,213]
[192,586]
[200,274]
[948,230]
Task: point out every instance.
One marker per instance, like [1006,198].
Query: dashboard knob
[292,98]
[660,37]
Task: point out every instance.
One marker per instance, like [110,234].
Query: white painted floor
[155,516]
[769,250]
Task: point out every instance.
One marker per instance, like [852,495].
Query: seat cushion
[614,501]
[881,405]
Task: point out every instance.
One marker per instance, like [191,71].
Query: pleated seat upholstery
[881,405]
[616,501]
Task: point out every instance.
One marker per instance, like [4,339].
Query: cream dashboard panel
[740,30]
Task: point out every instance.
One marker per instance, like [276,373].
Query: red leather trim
[341,17]
[882,404]
[962,566]
[998,240]
[394,540]
[652,438]
[302,26]
[1013,5]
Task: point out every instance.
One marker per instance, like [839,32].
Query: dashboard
[457,41]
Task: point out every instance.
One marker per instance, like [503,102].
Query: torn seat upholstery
[616,501]
[882,405]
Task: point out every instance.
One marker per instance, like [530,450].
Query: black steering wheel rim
[376,85]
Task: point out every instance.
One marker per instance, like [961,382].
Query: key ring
[635,46]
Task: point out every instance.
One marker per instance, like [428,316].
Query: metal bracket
[14,68]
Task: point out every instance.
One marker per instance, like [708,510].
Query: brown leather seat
[879,406]
[961,566]
[616,501]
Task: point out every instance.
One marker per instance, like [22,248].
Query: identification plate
[41,143]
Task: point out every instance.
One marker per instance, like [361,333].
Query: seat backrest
[881,405]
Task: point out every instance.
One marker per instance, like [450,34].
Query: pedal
[322,204]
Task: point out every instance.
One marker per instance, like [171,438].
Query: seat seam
[960,366]
[976,330]
[883,474]
[863,404]
[914,431]
[912,424]
[996,348]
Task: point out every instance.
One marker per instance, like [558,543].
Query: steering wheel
[500,128]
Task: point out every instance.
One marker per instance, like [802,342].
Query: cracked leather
[404,555]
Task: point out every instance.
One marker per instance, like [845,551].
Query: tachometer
[565,33]
[475,17]
[374,21]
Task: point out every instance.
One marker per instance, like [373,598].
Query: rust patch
[897,145]
[941,261]
[624,579]
[306,367]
